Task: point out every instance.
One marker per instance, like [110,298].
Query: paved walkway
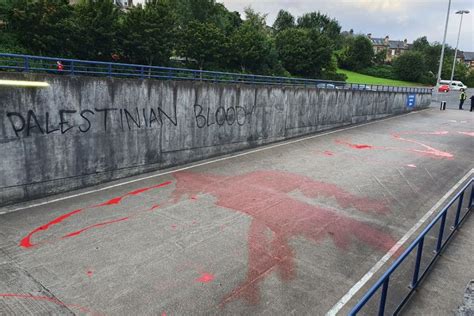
[286,229]
[442,292]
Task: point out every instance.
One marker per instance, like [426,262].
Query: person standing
[462,98]
[59,66]
[472,103]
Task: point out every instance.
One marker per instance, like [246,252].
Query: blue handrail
[30,63]
[418,243]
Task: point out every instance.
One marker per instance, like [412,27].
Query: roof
[468,56]
[396,44]
[378,41]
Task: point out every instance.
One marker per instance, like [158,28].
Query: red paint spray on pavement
[277,217]
[27,243]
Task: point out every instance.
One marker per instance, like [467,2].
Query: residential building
[467,58]
[393,48]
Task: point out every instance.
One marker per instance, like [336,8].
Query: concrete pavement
[285,229]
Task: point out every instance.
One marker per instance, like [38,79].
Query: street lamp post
[444,42]
[462,12]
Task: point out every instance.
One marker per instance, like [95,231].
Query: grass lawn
[354,77]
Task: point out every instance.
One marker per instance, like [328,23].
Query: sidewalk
[442,291]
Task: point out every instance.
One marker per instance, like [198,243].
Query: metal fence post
[417,263]
[27,64]
[383,298]
[441,231]
[72,68]
[109,69]
[458,211]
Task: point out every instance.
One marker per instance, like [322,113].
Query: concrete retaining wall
[83,131]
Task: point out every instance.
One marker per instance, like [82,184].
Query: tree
[380,56]
[410,66]
[304,52]
[283,21]
[96,26]
[41,26]
[323,24]
[148,34]
[358,54]
[203,42]
[251,45]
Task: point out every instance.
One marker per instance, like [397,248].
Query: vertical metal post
[441,231]
[109,69]
[444,44]
[456,50]
[417,262]
[27,64]
[458,211]
[383,298]
[142,72]
[469,205]
[72,68]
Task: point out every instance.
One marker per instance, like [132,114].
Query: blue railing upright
[418,274]
[30,63]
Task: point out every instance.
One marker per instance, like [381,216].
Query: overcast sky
[399,19]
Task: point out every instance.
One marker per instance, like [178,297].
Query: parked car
[454,85]
[325,86]
[443,88]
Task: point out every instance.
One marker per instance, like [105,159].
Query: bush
[382,71]
[410,66]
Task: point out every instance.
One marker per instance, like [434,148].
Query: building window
[393,52]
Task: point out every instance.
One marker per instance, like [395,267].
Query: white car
[454,85]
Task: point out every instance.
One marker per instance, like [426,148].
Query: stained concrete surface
[286,230]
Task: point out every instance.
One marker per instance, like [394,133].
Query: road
[284,229]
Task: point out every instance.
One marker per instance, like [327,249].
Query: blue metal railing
[29,63]
[417,244]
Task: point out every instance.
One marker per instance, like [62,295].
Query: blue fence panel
[418,271]
[28,63]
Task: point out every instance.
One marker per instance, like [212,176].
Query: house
[466,58]
[393,48]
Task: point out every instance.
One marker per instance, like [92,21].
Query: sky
[399,19]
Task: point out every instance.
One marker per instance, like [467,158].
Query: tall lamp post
[444,42]
[462,12]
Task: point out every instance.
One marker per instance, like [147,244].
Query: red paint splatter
[467,133]
[205,278]
[163,314]
[89,273]
[328,153]
[26,241]
[50,300]
[154,207]
[194,197]
[173,226]
[264,196]
[355,146]
[427,151]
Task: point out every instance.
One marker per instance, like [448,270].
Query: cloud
[399,19]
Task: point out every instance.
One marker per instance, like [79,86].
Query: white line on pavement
[348,296]
[207,162]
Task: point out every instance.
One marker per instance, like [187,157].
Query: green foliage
[95,25]
[304,52]
[379,57]
[203,42]
[381,71]
[283,21]
[148,34]
[358,53]
[41,27]
[410,66]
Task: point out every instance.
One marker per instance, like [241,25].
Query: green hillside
[354,77]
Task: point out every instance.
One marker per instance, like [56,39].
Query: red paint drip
[205,278]
[94,226]
[154,207]
[277,217]
[467,133]
[355,146]
[26,241]
[328,153]
[50,300]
